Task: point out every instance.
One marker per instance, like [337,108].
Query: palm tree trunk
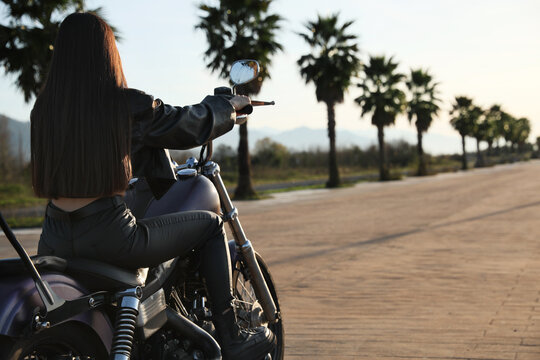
[383,169]
[479,156]
[244,189]
[333,171]
[464,157]
[422,171]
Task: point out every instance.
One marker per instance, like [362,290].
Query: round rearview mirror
[243,71]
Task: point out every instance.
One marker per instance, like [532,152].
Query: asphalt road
[444,267]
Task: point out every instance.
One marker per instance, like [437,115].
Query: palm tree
[522,132]
[423,107]
[241,29]
[331,64]
[509,129]
[463,122]
[382,98]
[480,132]
[493,117]
[26,43]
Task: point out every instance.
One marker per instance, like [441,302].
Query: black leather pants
[105,230]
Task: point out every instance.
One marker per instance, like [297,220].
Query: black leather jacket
[156,127]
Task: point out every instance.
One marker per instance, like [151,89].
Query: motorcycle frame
[211,170]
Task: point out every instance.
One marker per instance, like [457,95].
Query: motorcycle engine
[165,345]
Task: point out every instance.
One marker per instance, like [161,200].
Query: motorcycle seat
[95,275]
[15,266]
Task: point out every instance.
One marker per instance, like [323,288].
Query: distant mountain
[19,134]
[304,138]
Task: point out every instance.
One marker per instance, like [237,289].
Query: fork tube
[211,170]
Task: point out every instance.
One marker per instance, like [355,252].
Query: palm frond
[381,96]
[238,29]
[333,60]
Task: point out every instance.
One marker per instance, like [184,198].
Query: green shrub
[25,222]
[11,189]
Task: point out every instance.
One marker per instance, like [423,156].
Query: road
[443,267]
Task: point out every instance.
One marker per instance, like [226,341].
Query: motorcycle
[81,309]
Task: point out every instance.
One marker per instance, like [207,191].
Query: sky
[487,50]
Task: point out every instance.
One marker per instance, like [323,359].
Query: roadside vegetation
[18,204]
[17,200]
[273,163]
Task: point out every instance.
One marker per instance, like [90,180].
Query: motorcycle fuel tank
[193,192]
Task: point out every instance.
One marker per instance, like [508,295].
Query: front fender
[20,297]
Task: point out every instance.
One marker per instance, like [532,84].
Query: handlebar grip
[223,90]
[246,110]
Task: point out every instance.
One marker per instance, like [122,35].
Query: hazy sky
[488,50]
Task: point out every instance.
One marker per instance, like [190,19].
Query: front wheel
[64,341]
[249,310]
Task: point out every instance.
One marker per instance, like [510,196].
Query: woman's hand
[240,101]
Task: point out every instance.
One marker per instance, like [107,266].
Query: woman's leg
[161,238]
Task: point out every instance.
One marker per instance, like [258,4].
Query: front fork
[211,171]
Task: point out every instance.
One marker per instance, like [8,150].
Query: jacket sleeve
[158,125]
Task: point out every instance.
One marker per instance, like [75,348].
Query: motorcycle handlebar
[246,110]
[262,103]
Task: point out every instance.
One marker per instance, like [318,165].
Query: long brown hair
[80,121]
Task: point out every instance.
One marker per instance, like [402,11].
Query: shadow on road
[389,237]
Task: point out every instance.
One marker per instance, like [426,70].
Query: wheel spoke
[246,291]
[243,302]
[250,312]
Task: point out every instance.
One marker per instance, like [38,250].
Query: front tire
[64,340]
[249,311]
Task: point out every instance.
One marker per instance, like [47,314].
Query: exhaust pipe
[196,334]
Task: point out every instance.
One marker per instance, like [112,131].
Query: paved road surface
[444,267]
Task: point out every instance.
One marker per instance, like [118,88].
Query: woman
[90,135]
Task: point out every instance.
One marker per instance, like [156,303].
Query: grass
[292,188]
[258,196]
[24,222]
[269,175]
[344,184]
[18,196]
